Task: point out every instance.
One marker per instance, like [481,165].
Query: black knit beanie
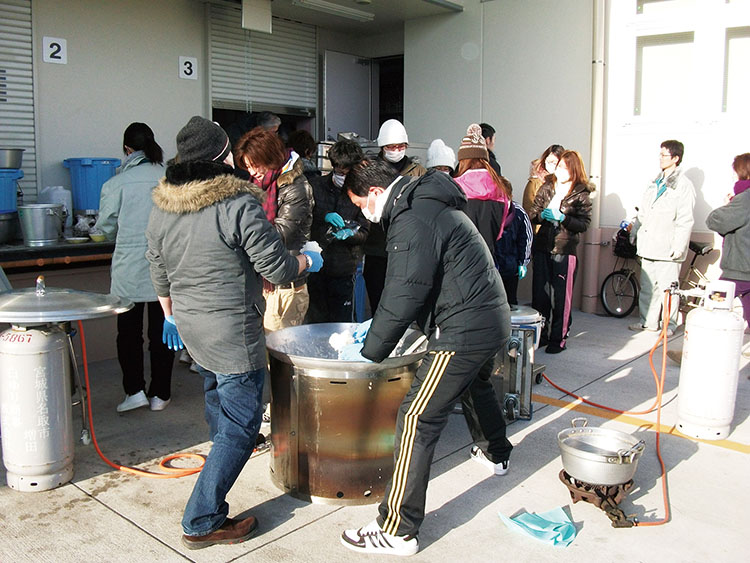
[202,139]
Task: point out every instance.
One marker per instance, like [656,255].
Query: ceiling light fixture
[335,9]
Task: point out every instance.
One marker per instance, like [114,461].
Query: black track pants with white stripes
[438,384]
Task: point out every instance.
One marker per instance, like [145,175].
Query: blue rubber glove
[353,353]
[552,215]
[360,333]
[334,219]
[343,234]
[522,272]
[170,336]
[317,260]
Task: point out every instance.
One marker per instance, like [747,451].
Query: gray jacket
[732,221]
[663,226]
[209,242]
[124,208]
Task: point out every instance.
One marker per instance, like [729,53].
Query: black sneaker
[553,348]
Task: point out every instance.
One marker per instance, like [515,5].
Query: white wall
[523,67]
[122,67]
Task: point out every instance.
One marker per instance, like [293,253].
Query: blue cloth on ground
[552,527]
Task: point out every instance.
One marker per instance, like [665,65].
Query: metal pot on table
[599,456]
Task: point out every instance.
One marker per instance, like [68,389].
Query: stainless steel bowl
[599,456]
[11,158]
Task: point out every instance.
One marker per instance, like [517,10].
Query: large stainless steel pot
[333,421]
[11,158]
[599,456]
[41,223]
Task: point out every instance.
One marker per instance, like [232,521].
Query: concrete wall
[122,67]
[524,67]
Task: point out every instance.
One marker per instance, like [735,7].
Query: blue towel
[553,527]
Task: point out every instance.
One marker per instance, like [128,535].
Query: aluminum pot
[41,223]
[599,456]
[11,158]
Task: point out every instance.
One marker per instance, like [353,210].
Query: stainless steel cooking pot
[599,456]
[41,223]
[11,158]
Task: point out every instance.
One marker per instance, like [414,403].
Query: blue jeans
[233,412]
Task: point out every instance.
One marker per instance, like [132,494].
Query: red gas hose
[657,403]
[171,472]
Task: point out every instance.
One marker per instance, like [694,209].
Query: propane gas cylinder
[710,365]
[35,407]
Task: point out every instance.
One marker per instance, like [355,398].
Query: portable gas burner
[606,497]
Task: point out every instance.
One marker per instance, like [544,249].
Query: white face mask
[380,200]
[562,175]
[394,156]
[338,179]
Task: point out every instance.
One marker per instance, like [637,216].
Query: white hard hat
[439,154]
[392,132]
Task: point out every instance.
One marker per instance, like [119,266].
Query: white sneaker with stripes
[372,539]
[498,468]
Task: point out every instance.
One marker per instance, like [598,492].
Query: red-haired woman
[288,205]
[562,207]
[732,221]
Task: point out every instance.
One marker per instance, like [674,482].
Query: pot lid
[50,305]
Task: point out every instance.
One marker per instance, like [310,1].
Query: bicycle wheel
[619,293]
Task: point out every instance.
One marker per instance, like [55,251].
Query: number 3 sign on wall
[55,50]
[189,68]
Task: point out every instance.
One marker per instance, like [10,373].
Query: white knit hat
[392,132]
[439,154]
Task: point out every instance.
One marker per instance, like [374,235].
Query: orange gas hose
[171,472]
[657,403]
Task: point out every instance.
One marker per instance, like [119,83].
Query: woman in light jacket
[124,210]
[562,207]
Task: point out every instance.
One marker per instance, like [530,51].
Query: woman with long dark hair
[562,208]
[124,209]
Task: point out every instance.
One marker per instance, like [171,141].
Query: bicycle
[694,278]
[619,291]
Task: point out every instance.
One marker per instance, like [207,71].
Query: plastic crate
[9,189]
[87,176]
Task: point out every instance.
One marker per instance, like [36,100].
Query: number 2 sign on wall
[55,50]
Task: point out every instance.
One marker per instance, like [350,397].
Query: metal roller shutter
[17,88]
[252,71]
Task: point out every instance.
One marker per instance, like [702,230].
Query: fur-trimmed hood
[191,186]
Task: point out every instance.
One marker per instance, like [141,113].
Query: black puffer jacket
[407,166]
[562,238]
[340,257]
[294,212]
[440,273]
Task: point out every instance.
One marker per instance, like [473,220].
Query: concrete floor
[108,515]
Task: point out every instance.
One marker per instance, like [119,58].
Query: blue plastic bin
[87,176]
[9,189]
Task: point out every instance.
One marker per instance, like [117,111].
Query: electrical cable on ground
[662,340]
[171,472]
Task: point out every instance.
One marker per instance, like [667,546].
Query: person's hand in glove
[360,333]
[522,272]
[552,215]
[353,353]
[343,234]
[314,262]
[170,336]
[334,219]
